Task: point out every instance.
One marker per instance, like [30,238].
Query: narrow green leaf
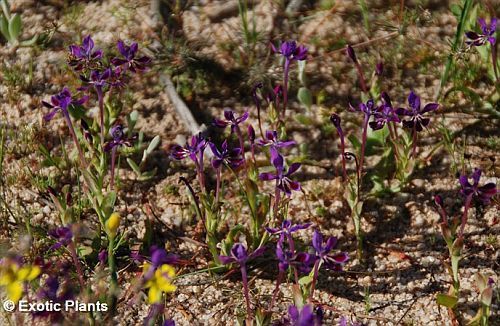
[305,97]
[154,143]
[30,42]
[147,175]
[302,69]
[15,26]
[305,280]
[4,28]
[134,166]
[446,300]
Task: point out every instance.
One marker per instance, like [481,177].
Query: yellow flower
[112,224]
[160,282]
[12,277]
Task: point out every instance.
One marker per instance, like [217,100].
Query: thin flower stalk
[335,119]
[240,256]
[352,55]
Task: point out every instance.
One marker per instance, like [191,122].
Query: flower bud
[351,54]
[112,224]
[335,119]
[251,134]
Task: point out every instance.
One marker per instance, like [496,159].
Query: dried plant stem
[74,256]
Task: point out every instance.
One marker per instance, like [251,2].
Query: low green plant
[11,27]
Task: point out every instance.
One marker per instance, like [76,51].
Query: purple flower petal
[414,101]
[317,241]
[226,260]
[293,168]
[266,176]
[340,257]
[330,244]
[430,107]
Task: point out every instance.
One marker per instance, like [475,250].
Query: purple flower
[416,121]
[304,316]
[483,193]
[291,51]
[476,39]
[287,228]
[103,256]
[231,157]
[117,78]
[230,120]
[384,114]
[84,55]
[63,235]
[193,149]
[283,181]
[98,79]
[240,255]
[331,261]
[368,109]
[159,257]
[301,261]
[61,102]
[118,138]
[169,322]
[129,60]
[273,141]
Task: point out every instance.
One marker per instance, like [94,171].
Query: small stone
[419,183]
[428,261]
[366,281]
[419,221]
[46,210]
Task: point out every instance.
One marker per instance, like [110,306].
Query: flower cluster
[411,117]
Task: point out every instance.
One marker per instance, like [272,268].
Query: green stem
[454,46]
[114,276]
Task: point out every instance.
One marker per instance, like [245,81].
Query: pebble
[419,221]
[46,210]
[419,183]
[428,261]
